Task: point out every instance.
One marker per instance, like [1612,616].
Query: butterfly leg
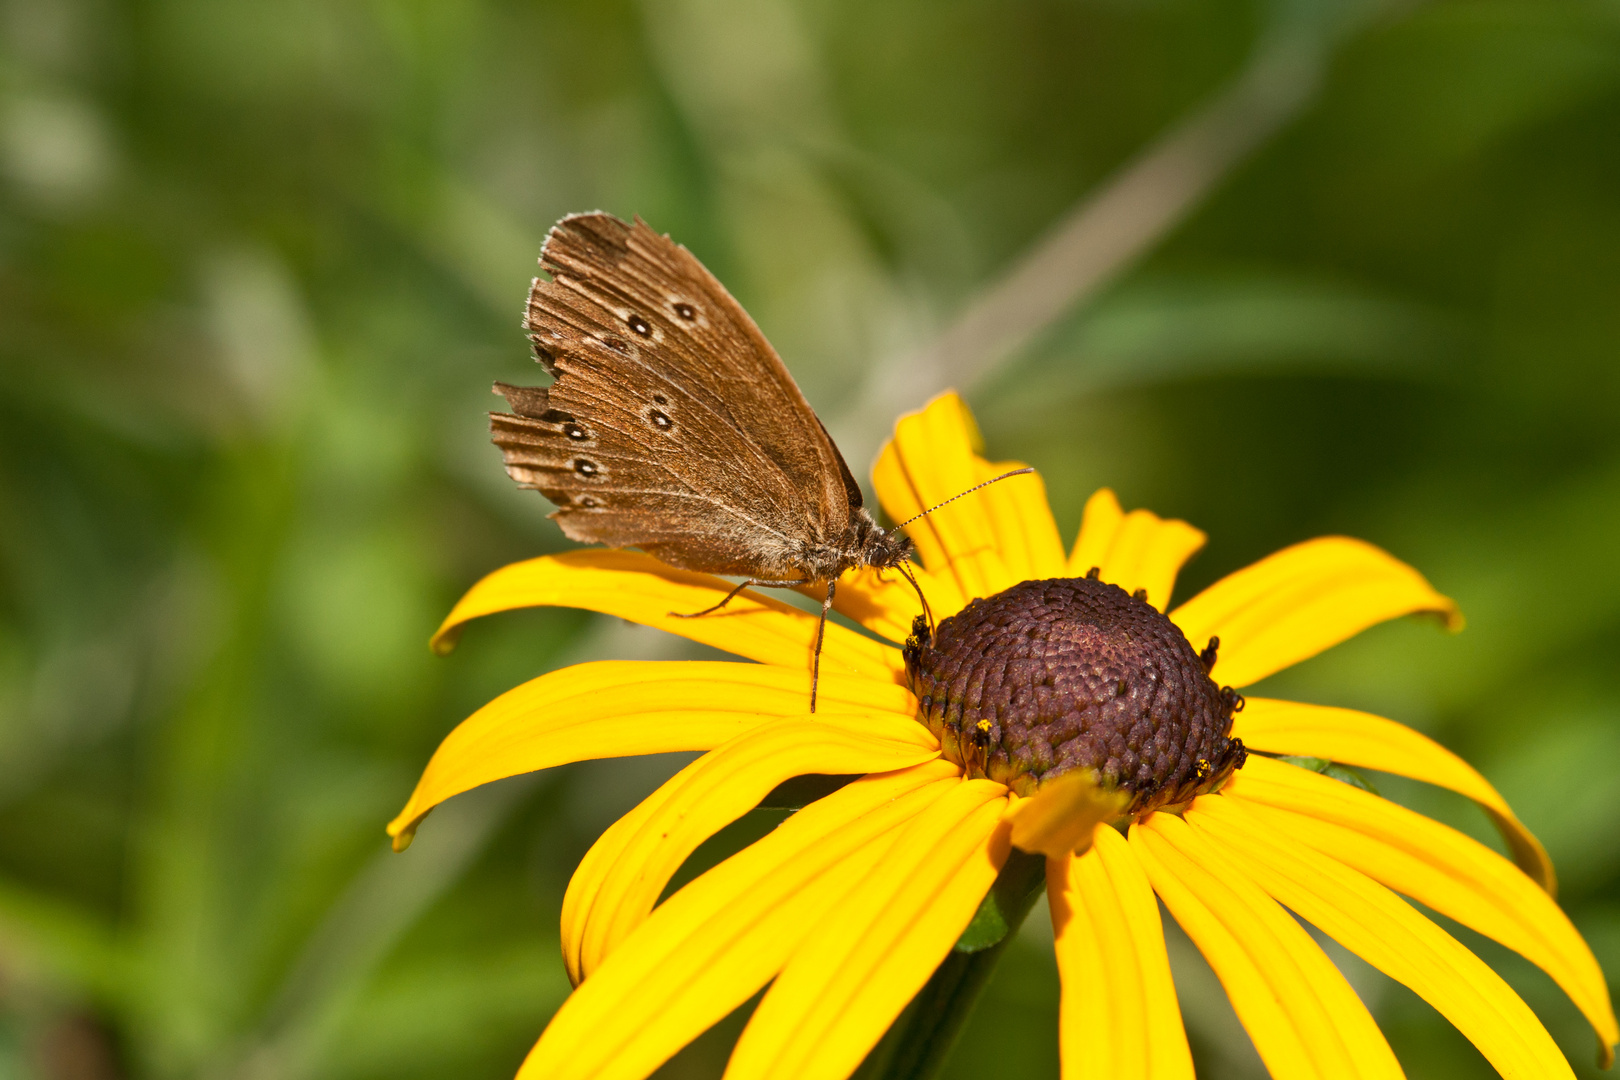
[730,595]
[821,632]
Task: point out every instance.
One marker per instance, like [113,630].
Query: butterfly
[673,426]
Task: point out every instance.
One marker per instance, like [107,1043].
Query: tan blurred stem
[1105,232]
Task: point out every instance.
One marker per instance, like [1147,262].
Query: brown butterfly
[674,427]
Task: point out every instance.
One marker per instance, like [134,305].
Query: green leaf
[1006,904]
[1342,773]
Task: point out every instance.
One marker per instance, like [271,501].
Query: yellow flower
[847,908]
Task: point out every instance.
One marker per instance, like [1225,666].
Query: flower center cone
[1051,677]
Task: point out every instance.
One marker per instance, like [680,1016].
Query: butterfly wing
[672,426]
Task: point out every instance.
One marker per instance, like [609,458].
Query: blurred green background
[260,261]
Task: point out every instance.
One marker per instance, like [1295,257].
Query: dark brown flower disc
[1068,673]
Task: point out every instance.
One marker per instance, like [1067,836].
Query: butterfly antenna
[969,491]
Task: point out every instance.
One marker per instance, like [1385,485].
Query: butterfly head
[873,545]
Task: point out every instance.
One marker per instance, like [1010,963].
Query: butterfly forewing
[672,426]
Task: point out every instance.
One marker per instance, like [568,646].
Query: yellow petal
[702,799]
[1302,600]
[1118,1019]
[1432,863]
[643,590]
[901,502]
[1099,524]
[1018,513]
[1062,815]
[619,708]
[929,460]
[1302,1015]
[1372,742]
[872,952]
[1139,550]
[1387,932]
[708,948]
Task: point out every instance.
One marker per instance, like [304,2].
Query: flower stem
[920,1040]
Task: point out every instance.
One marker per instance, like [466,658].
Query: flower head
[1059,706]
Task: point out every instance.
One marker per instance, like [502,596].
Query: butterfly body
[672,425]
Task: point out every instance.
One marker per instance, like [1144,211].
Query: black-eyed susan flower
[1060,706]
